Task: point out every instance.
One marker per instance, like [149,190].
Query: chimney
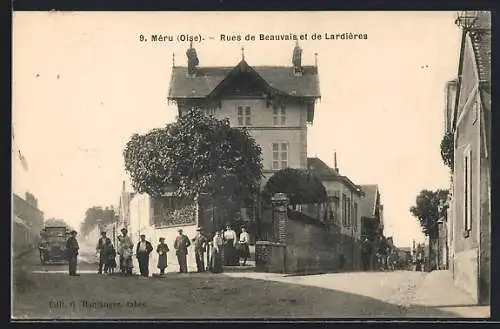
[335,162]
[192,59]
[297,60]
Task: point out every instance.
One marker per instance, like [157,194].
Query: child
[162,250]
[110,260]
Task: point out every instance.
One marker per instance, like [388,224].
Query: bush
[447,150]
[300,186]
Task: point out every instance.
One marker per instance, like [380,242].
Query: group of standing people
[225,246]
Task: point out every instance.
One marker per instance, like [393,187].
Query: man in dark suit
[72,250]
[181,245]
[143,250]
[200,242]
[101,249]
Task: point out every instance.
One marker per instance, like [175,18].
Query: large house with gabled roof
[275,103]
[469,217]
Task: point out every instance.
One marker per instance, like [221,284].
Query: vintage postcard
[251,165]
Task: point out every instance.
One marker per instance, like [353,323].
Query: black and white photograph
[251,165]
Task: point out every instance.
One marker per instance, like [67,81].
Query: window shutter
[470,196]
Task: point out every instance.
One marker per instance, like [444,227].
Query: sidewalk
[439,290]
[18,254]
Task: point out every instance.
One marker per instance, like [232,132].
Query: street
[48,292]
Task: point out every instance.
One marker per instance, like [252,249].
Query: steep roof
[321,169]
[206,79]
[369,202]
[481,43]
[480,36]
[325,173]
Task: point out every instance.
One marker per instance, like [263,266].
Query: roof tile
[208,78]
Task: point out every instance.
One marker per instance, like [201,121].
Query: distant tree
[427,211]
[196,154]
[300,186]
[96,215]
[56,222]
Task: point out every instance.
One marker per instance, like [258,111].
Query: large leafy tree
[301,186]
[97,215]
[427,210]
[196,154]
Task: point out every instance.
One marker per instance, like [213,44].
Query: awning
[20,221]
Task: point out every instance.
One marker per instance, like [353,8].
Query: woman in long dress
[216,265]
[162,251]
[230,254]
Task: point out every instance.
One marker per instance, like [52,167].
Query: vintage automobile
[52,245]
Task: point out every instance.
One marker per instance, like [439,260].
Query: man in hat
[200,242]
[101,249]
[181,245]
[125,251]
[143,250]
[72,250]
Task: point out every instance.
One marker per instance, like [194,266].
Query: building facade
[27,222]
[344,200]
[371,212]
[275,104]
[372,218]
[470,214]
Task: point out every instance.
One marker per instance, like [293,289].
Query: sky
[83,83]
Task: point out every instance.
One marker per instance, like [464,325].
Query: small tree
[427,211]
[300,186]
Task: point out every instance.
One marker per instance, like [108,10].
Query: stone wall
[153,235]
[270,257]
[306,245]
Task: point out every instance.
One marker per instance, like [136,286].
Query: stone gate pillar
[280,203]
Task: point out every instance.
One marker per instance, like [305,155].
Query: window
[280,155]
[467,190]
[344,210]
[209,111]
[279,115]
[349,212]
[355,216]
[244,113]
